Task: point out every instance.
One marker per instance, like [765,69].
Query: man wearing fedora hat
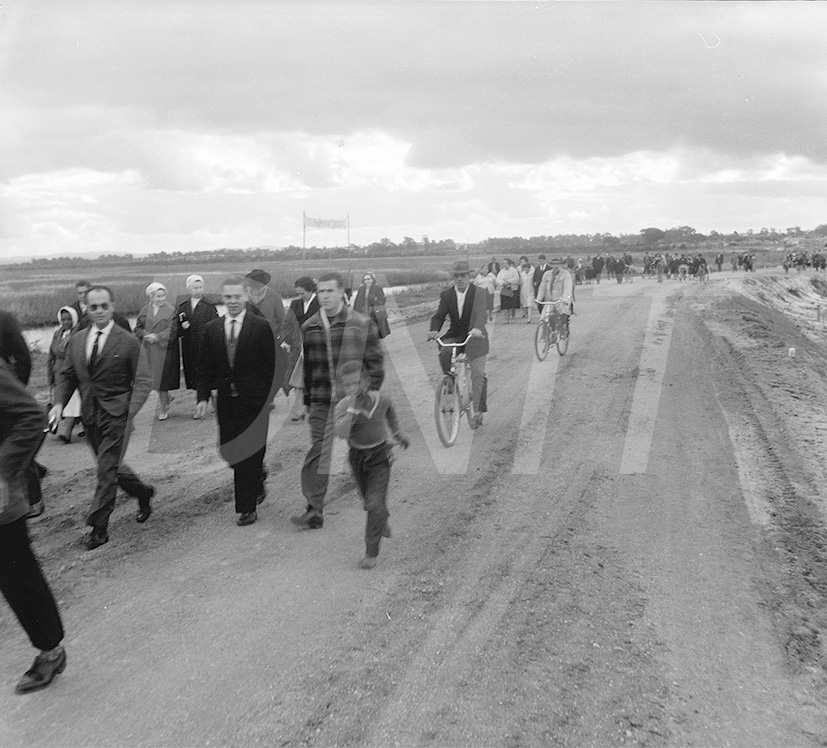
[466,306]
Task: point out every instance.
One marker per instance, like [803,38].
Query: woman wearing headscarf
[67,319]
[157,328]
[488,280]
[508,281]
[370,300]
[193,314]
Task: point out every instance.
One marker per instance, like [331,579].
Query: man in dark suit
[21,579]
[539,271]
[466,306]
[106,366]
[238,360]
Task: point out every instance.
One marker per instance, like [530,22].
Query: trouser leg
[243,436]
[66,426]
[445,358]
[371,469]
[477,378]
[105,436]
[316,468]
[25,588]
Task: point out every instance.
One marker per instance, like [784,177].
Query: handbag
[507,291]
[381,316]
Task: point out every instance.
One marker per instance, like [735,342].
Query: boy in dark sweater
[361,418]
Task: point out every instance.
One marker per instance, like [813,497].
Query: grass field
[34,295]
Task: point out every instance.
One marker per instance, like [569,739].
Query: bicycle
[453,396]
[551,330]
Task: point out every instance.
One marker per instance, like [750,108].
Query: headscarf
[72,313]
[192,279]
[153,287]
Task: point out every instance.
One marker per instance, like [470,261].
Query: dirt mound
[768,343]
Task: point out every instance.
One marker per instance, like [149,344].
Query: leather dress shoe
[311,519]
[35,510]
[96,538]
[368,562]
[386,530]
[247,518]
[145,506]
[42,672]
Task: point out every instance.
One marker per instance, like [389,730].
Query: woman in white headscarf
[67,319]
[194,313]
[157,328]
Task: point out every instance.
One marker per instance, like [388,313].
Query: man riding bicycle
[558,284]
[467,307]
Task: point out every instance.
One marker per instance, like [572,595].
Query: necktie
[94,357]
[232,341]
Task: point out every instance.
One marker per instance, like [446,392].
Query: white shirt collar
[240,319]
[92,337]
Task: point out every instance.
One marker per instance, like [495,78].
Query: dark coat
[204,313]
[253,374]
[538,275]
[296,317]
[372,303]
[164,360]
[474,315]
[13,348]
[22,422]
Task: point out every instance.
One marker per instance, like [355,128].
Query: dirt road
[629,552]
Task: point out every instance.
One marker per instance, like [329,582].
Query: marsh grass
[35,296]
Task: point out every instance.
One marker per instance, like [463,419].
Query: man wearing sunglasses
[105,364]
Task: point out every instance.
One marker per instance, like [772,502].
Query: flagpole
[304,240]
[349,271]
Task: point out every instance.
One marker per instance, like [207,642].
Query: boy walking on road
[360,418]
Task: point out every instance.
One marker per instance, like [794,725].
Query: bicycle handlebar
[453,345]
[556,301]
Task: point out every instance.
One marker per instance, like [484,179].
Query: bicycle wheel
[563,338]
[541,344]
[447,410]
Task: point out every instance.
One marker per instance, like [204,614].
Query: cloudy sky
[141,125]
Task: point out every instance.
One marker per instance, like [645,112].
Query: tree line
[682,237]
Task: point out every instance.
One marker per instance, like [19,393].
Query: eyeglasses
[103,306]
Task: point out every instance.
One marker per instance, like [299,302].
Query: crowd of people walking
[324,350]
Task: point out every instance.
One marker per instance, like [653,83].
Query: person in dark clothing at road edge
[21,578]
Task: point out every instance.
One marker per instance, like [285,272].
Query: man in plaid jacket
[332,336]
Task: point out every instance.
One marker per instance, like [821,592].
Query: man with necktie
[105,364]
[238,360]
